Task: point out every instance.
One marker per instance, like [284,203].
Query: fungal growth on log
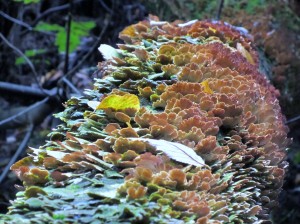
[181,127]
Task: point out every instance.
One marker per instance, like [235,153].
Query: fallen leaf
[118,102]
[56,154]
[108,52]
[130,31]
[207,89]
[175,151]
[245,53]
[212,29]
[93,104]
[189,23]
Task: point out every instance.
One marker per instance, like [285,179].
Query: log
[181,127]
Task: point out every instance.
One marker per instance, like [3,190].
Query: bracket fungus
[181,128]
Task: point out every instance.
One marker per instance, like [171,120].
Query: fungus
[180,93]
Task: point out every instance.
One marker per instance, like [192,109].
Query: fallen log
[181,127]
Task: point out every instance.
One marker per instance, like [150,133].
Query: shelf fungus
[182,127]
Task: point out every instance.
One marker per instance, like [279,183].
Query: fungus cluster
[172,96]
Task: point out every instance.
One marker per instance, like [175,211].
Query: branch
[51,10]
[27,90]
[105,7]
[32,114]
[293,119]
[66,67]
[14,20]
[220,8]
[18,152]
[45,13]
[35,75]
[68,83]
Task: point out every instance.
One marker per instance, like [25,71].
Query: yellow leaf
[212,29]
[118,102]
[130,31]
[245,53]
[207,89]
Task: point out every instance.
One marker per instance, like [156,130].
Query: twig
[35,75]
[220,8]
[6,121]
[106,7]
[27,90]
[21,23]
[75,90]
[66,67]
[293,119]
[51,10]
[18,152]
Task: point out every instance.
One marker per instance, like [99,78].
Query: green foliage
[26,2]
[78,30]
[182,9]
[249,6]
[29,53]
[296,158]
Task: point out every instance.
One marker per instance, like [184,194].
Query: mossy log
[181,127]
